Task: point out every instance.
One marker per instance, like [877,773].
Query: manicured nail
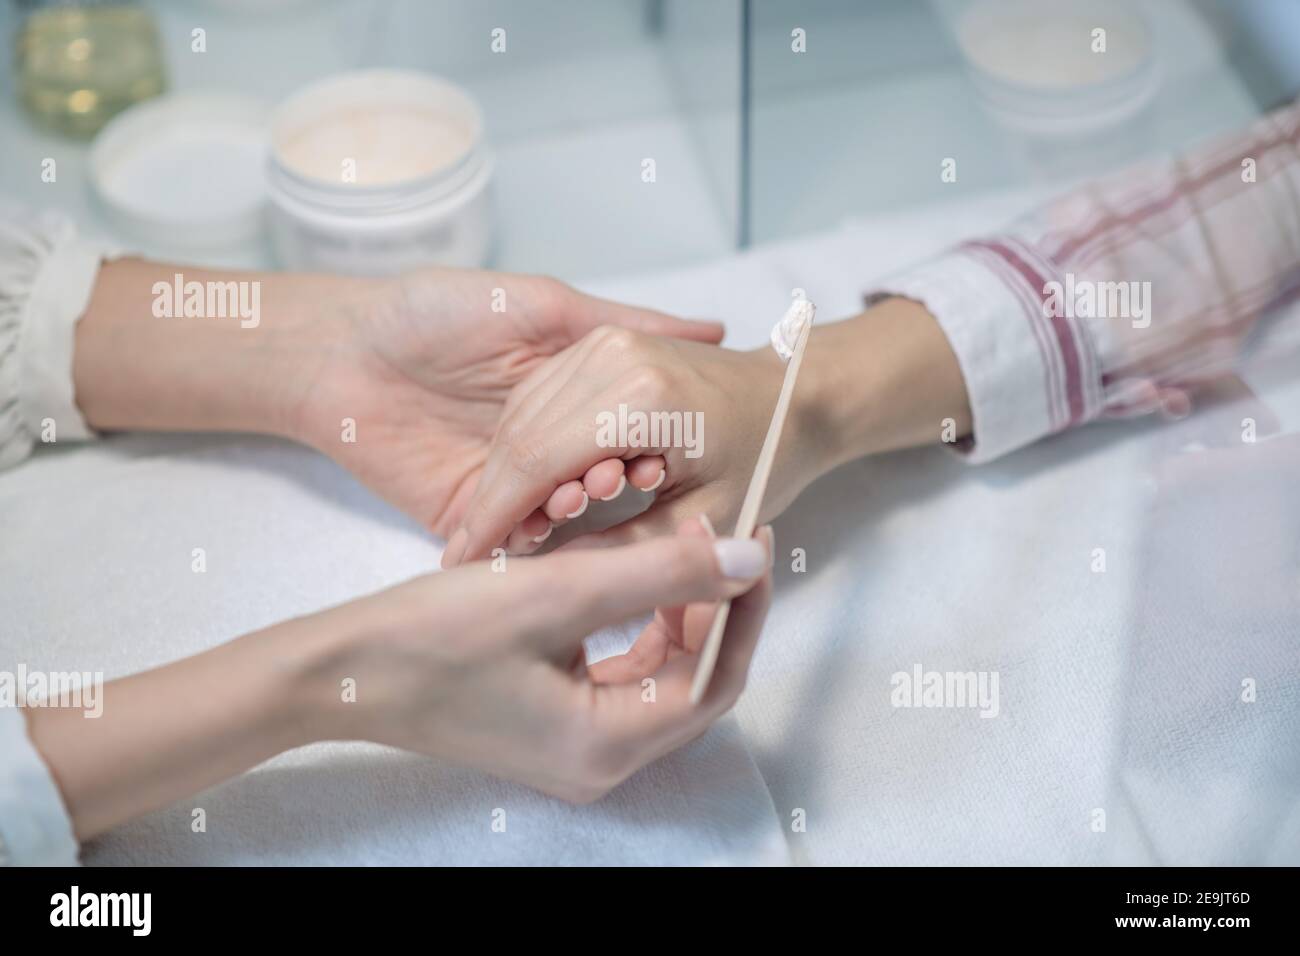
[542,537]
[455,549]
[708,525]
[741,559]
[581,508]
[663,473]
[622,483]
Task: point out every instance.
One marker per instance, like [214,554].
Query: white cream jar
[377,171]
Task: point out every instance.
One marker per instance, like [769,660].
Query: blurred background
[753,139]
[816,130]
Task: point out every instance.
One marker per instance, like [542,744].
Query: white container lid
[411,138]
[1032,62]
[187,169]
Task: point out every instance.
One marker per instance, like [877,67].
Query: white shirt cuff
[35,829]
[995,333]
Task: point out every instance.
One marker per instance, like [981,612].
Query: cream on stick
[789,338]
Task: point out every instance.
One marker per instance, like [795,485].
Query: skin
[480,667]
[422,364]
[882,380]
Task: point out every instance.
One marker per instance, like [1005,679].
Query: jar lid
[376,143]
[187,169]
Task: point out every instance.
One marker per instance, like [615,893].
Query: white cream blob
[379,146]
[785,334]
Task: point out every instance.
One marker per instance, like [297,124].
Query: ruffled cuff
[47,274]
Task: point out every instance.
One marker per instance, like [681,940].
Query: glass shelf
[752,141]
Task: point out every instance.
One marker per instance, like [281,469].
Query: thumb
[582,591]
[593,312]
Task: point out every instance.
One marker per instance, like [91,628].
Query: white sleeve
[47,273]
[1002,356]
[34,826]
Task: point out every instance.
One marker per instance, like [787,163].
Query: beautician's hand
[881,380]
[475,666]
[486,668]
[425,367]
[402,380]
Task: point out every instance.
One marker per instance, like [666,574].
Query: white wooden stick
[750,507]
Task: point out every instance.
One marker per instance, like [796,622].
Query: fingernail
[455,549]
[708,525]
[741,559]
[586,500]
[663,473]
[542,537]
[769,538]
[622,483]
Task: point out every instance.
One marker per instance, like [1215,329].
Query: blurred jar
[80,63]
[374,172]
[1034,64]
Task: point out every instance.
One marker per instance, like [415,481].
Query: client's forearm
[208,351]
[882,380]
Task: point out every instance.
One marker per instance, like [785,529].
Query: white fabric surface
[1116,692]
[34,826]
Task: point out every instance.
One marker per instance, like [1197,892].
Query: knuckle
[528,455]
[650,382]
[513,431]
[552,291]
[615,340]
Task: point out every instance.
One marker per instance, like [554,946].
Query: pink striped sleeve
[1136,288]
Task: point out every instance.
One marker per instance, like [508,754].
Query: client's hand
[884,379]
[572,428]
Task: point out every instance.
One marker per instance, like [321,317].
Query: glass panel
[581,95]
[884,92]
[585,92]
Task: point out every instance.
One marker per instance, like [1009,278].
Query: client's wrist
[837,405]
[882,380]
